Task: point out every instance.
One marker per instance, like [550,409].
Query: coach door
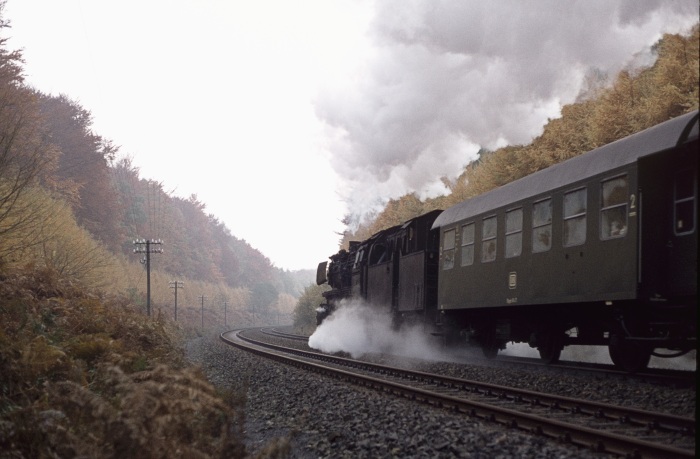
[683,247]
[668,202]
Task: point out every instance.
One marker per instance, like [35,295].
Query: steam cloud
[450,77]
[358,329]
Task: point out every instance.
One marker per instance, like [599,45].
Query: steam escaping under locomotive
[597,250]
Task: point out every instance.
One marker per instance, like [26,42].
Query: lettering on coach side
[512,284]
[633,205]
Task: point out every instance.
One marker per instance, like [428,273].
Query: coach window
[514,233]
[574,218]
[684,192]
[613,208]
[542,226]
[488,238]
[448,249]
[468,244]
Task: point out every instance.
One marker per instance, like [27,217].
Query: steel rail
[277,333]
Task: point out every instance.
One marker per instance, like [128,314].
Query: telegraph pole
[225,304]
[176,285]
[144,246]
[202,298]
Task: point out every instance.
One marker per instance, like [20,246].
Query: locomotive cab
[394,271]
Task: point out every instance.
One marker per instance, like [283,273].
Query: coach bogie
[549,343]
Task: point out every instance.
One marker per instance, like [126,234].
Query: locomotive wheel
[629,356]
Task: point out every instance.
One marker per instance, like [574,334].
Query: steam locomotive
[597,250]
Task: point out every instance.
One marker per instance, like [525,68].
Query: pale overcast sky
[284,116]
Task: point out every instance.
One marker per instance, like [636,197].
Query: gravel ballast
[311,416]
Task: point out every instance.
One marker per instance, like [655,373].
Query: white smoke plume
[358,329]
[448,77]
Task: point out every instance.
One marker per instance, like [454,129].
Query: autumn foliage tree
[26,159]
[83,167]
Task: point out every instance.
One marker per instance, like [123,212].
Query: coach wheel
[550,347]
[628,355]
[549,354]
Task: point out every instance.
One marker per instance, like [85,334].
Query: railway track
[591,425]
[667,377]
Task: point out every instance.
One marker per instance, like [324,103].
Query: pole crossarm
[146,246]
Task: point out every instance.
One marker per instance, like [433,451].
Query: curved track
[669,377]
[591,425]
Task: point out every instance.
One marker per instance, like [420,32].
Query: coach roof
[608,157]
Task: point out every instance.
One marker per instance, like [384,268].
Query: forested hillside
[69,201]
[606,111]
[79,360]
[116,205]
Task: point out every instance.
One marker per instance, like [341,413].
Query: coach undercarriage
[632,332]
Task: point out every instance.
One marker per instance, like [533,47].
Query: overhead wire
[127,179]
